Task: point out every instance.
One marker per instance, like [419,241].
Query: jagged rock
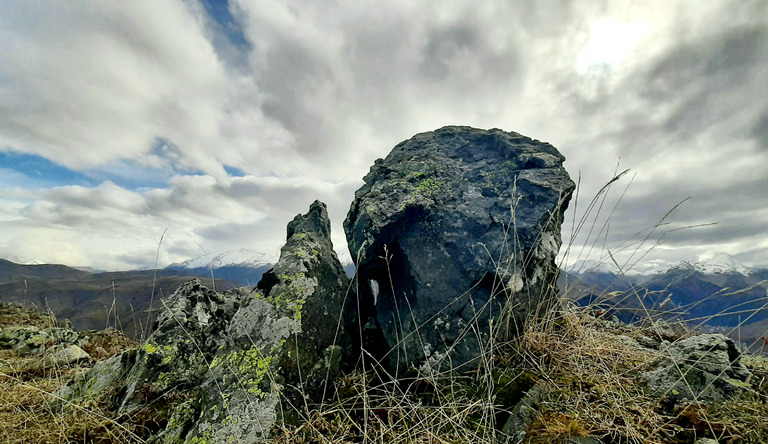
[178,358]
[705,367]
[218,364]
[455,227]
[311,283]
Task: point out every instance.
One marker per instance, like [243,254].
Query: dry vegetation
[586,369]
[27,413]
[584,366]
[590,371]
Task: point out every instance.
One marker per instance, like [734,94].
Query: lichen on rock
[458,226]
[704,367]
[218,365]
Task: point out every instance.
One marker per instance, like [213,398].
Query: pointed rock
[218,365]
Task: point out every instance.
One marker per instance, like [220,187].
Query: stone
[63,335]
[705,368]
[99,382]
[63,355]
[454,235]
[311,283]
[523,414]
[17,337]
[224,367]
[582,440]
[31,339]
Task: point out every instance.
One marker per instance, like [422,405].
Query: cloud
[110,227]
[224,123]
[89,84]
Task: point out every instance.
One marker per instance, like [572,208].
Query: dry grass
[27,414]
[378,412]
[588,367]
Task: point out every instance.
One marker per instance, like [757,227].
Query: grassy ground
[26,387]
[586,372]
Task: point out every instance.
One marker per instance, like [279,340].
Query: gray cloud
[760,131]
[675,91]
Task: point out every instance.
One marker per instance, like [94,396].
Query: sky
[141,133]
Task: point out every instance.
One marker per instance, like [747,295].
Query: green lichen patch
[248,367]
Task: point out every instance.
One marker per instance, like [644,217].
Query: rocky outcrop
[455,228]
[184,373]
[310,282]
[219,365]
[56,346]
[705,367]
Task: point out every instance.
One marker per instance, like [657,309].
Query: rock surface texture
[705,367]
[218,365]
[455,228]
[309,282]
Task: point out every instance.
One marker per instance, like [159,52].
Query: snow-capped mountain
[242,257]
[607,266]
[713,290]
[718,264]
[21,260]
[243,265]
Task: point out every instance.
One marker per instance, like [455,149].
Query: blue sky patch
[234,171]
[39,170]
[219,11]
[23,170]
[134,177]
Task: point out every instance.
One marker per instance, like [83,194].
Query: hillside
[94,300]
[10,272]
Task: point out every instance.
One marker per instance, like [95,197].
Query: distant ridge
[10,271]
[94,300]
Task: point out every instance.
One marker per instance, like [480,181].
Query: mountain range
[243,266]
[715,294]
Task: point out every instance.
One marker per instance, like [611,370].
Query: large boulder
[455,228]
[218,365]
